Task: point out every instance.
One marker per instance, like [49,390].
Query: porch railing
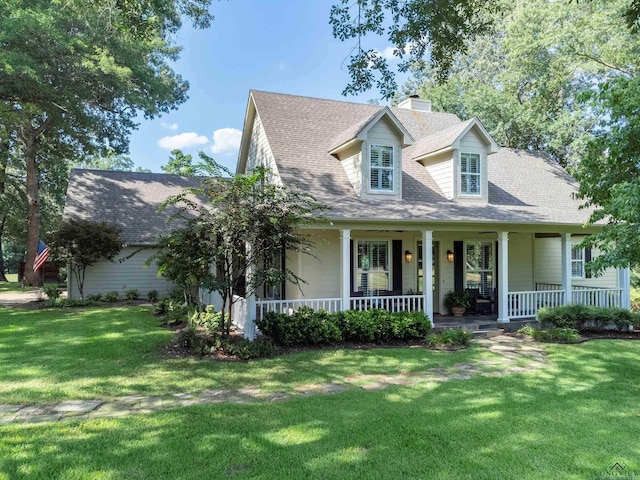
[601,297]
[290,306]
[394,303]
[526,304]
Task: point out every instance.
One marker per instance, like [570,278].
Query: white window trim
[391,190]
[389,270]
[479,174]
[581,261]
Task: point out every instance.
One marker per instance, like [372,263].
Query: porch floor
[480,322]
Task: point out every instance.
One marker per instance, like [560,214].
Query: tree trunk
[3,278]
[33,210]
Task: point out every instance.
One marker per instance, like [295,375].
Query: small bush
[95,298]
[176,312]
[245,349]
[449,338]
[52,292]
[582,317]
[68,303]
[132,294]
[303,327]
[111,297]
[635,300]
[209,319]
[152,296]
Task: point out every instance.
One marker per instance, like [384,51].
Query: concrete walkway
[514,356]
[11,299]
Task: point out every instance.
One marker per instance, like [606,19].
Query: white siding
[548,266]
[260,152]
[471,141]
[441,170]
[351,160]
[322,274]
[383,133]
[119,276]
[521,262]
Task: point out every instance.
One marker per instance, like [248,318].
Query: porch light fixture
[449,256]
[408,256]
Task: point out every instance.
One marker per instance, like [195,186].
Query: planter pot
[458,311]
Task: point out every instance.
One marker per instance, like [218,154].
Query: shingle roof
[437,140]
[524,187]
[128,199]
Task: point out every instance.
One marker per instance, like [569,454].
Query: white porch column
[345,268]
[427,273]
[503,277]
[566,268]
[250,323]
[624,282]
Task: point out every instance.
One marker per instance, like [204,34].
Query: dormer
[371,154]
[456,158]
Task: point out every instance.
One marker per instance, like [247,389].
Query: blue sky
[281,46]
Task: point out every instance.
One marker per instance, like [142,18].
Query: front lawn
[571,420]
[52,355]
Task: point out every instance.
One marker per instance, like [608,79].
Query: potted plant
[457,301]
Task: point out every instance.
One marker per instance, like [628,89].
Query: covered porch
[411,270]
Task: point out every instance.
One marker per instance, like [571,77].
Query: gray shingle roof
[524,187]
[128,199]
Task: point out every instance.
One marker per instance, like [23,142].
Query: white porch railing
[601,297]
[239,311]
[290,306]
[395,303]
[526,304]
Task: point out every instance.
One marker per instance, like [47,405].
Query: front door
[434,270]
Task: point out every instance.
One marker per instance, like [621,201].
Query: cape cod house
[421,203]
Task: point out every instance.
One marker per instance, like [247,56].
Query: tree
[110,161]
[609,175]
[74,75]
[82,243]
[434,32]
[243,223]
[181,164]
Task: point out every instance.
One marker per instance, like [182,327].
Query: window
[479,264]
[577,262]
[381,168]
[470,174]
[372,269]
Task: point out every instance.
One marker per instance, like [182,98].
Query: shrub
[111,297]
[582,317]
[68,303]
[560,335]
[245,349]
[52,292]
[449,338]
[635,299]
[152,296]
[309,327]
[175,311]
[209,319]
[131,294]
[95,298]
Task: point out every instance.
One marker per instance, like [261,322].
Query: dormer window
[381,168]
[470,180]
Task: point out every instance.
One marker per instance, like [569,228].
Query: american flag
[41,257]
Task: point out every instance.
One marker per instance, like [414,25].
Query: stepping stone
[438,370]
[465,366]
[249,391]
[131,399]
[7,418]
[277,397]
[333,388]
[10,408]
[32,410]
[502,348]
[153,403]
[460,377]
[51,417]
[211,393]
[373,387]
[81,406]
[111,410]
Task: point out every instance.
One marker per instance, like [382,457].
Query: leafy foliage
[82,243]
[315,327]
[241,223]
[449,338]
[582,317]
[555,334]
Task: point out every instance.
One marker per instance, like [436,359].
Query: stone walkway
[515,355]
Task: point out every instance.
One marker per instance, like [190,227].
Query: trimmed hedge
[315,327]
[582,317]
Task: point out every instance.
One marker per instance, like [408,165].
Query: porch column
[427,273]
[566,268]
[345,268]
[503,277]
[624,282]
[250,322]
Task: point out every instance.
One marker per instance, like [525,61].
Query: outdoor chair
[479,305]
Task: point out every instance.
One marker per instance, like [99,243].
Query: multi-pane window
[470,174]
[577,262]
[381,167]
[372,268]
[479,263]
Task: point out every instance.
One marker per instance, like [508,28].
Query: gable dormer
[371,154]
[456,158]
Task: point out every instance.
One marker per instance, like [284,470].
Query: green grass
[52,355]
[14,286]
[570,421]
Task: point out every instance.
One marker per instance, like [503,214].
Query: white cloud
[183,140]
[169,126]
[388,54]
[226,140]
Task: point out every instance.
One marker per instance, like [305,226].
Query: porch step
[487,333]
